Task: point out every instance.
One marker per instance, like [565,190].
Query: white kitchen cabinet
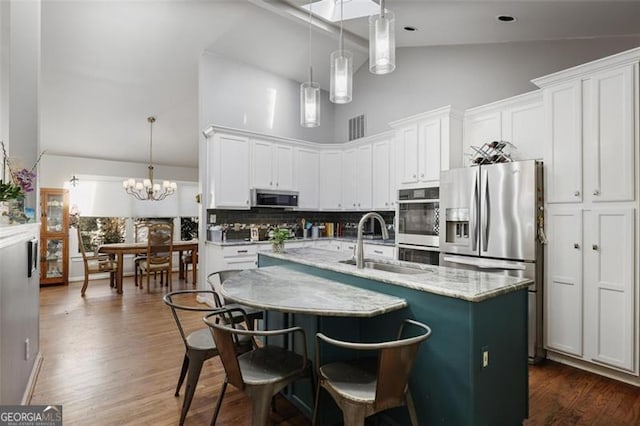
[229,171]
[271,165]
[307,164]
[590,117]
[349,179]
[331,178]
[516,120]
[609,275]
[357,173]
[426,144]
[382,176]
[609,135]
[589,292]
[563,286]
[220,258]
[364,185]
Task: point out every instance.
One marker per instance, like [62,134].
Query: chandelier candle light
[341,70]
[382,42]
[310,93]
[147,189]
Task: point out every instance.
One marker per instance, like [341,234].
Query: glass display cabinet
[54,236]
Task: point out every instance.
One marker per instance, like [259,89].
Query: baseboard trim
[33,377]
[593,368]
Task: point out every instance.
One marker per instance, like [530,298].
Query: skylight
[330,9]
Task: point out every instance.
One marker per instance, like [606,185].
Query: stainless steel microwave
[273,198]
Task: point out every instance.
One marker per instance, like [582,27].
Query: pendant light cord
[151,120]
[310,69]
[341,46]
[382,8]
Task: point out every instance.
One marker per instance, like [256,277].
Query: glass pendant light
[310,93]
[382,41]
[341,71]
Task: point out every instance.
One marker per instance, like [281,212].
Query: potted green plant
[277,238]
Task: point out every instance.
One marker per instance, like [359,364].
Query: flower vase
[4,213]
[278,247]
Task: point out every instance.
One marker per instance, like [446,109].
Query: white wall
[234,94]
[20,81]
[463,76]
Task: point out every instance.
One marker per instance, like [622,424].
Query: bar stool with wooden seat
[95,264]
[366,386]
[260,373]
[159,252]
[199,345]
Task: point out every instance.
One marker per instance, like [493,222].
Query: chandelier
[147,189]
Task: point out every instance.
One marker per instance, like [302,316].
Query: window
[95,231]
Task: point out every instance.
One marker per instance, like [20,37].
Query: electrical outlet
[26,349]
[485,357]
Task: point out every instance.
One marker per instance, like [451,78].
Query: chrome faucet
[359,246]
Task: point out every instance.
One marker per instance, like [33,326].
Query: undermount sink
[387,267]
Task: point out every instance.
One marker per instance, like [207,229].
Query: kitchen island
[473,369]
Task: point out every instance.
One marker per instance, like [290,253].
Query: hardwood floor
[111,359]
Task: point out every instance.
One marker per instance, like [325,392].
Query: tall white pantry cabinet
[591,287]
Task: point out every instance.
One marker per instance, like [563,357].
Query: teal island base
[473,370]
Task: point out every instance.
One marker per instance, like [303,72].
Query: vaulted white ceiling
[107,65]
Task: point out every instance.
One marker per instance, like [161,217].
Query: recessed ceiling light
[506,18]
[410,28]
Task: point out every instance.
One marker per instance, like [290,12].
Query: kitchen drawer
[331,245]
[241,262]
[348,247]
[379,250]
[243,250]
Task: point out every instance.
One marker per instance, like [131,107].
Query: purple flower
[24,178]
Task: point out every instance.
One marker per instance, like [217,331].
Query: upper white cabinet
[381,196]
[427,144]
[271,165]
[349,179]
[591,119]
[364,185]
[331,178]
[516,120]
[229,171]
[307,172]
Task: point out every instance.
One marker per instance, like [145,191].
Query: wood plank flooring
[114,360]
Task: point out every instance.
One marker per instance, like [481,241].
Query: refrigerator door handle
[485,213]
[473,217]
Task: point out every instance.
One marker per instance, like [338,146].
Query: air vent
[356,127]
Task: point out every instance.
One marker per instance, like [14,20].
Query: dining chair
[186,260]
[140,231]
[260,373]
[365,386]
[95,263]
[198,341]
[159,252]
[252,314]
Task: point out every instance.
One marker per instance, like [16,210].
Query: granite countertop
[473,286]
[265,288]
[345,239]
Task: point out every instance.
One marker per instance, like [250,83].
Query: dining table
[120,249]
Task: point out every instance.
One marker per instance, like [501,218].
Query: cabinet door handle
[277,184]
[421,174]
[414,176]
[243,251]
[576,194]
[596,192]
[247,202]
[576,245]
[595,247]
[377,251]
[270,183]
[386,204]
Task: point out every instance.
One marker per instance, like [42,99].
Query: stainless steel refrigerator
[493,222]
